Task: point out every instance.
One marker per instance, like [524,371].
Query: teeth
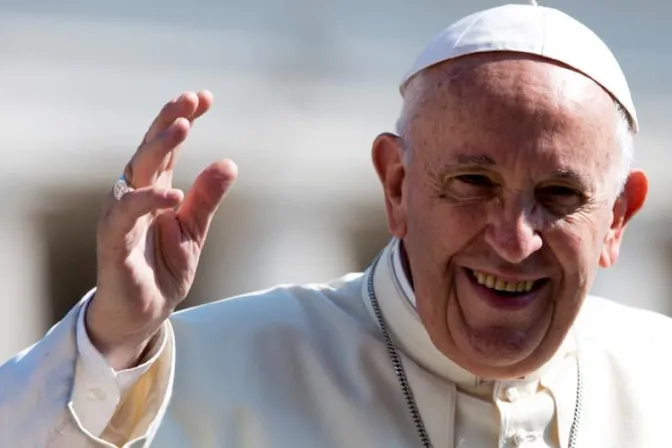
[501,285]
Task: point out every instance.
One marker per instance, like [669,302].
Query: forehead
[506,106]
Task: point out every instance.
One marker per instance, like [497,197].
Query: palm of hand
[163,263]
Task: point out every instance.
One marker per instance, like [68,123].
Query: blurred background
[302,87]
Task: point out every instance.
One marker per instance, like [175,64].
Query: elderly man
[507,186]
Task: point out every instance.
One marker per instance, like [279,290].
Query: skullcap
[530,29]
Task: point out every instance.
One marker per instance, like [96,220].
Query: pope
[507,184]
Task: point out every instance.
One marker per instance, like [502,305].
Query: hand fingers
[122,215]
[154,157]
[205,101]
[189,105]
[157,153]
[201,202]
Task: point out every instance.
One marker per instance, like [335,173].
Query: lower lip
[497,301]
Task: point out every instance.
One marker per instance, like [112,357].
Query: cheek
[568,249]
[441,229]
[577,249]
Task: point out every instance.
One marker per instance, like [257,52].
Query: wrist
[122,357]
[120,348]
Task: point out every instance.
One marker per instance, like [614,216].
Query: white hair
[415,95]
[626,145]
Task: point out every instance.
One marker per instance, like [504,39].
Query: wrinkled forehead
[509,102]
[518,80]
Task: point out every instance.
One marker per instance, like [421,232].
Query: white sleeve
[97,388]
[51,397]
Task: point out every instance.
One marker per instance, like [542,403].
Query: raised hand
[150,238]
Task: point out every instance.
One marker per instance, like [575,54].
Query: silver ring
[121,187]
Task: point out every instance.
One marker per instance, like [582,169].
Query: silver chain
[406,388]
[573,431]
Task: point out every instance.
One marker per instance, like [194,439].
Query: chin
[499,335]
[499,352]
[500,346]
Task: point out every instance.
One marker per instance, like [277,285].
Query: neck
[405,264]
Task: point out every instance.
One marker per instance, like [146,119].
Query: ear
[626,206]
[387,155]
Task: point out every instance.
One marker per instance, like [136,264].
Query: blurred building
[300,92]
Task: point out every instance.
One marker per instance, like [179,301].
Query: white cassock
[306,366]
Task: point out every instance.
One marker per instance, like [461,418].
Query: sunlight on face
[505,206]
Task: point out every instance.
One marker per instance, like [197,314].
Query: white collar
[397,302]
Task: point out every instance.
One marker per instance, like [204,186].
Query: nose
[513,235]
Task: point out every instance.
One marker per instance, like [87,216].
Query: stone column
[24,311]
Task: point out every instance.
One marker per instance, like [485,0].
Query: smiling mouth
[506,288]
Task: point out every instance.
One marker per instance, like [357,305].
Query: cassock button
[97,394]
[522,438]
[512,394]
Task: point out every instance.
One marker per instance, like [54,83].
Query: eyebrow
[470,159]
[483,160]
[572,176]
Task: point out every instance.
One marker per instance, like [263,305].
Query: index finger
[188,105]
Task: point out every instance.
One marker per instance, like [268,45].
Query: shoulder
[279,338]
[605,314]
[281,308]
[625,332]
[624,352]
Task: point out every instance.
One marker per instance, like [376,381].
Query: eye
[560,191]
[475,179]
[561,197]
[469,187]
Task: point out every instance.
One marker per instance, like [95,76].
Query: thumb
[203,199]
